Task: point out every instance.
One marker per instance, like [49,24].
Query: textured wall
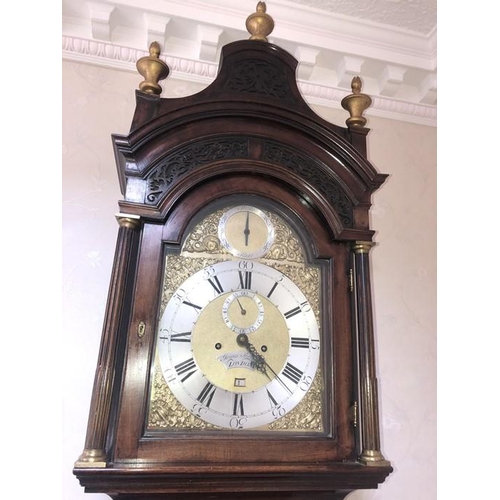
[98,102]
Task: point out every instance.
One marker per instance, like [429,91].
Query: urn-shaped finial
[153,69]
[259,24]
[356,103]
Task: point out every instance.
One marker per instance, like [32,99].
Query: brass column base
[91,459]
[373,458]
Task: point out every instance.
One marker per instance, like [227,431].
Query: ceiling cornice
[398,67]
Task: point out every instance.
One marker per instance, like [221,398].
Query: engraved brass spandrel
[203,238]
[307,277]
[178,268]
[286,244]
[308,414]
[165,412]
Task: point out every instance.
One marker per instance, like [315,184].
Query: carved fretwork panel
[259,78]
[309,170]
[184,160]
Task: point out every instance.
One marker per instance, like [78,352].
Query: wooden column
[369,417]
[94,453]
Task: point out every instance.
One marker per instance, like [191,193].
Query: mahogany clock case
[248,137]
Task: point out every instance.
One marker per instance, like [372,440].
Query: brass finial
[153,69]
[356,103]
[259,24]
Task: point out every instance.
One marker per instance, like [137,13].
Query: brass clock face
[238,343]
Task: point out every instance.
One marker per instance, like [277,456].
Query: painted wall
[98,102]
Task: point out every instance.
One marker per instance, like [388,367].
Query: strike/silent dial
[246,232]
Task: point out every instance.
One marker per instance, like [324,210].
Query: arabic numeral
[209,272]
[198,410]
[278,412]
[179,296]
[246,265]
[237,422]
[305,383]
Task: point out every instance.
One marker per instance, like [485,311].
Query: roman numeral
[238,405]
[292,373]
[245,279]
[191,304]
[207,394]
[216,284]
[300,342]
[187,367]
[295,310]
[272,289]
[179,337]
[271,399]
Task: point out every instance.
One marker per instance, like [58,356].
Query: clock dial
[230,370]
[246,232]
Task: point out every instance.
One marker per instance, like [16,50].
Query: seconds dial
[243,311]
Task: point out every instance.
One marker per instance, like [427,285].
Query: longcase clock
[237,354]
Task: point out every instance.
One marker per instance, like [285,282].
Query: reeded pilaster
[94,453]
[369,414]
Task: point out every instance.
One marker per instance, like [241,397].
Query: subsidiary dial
[243,312]
[246,232]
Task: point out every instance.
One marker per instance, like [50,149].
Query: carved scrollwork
[184,160]
[257,77]
[308,169]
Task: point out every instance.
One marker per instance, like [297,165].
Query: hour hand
[242,340]
[260,362]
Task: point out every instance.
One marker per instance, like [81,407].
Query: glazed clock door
[244,346]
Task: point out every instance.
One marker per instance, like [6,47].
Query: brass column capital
[363,246]
[129,221]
